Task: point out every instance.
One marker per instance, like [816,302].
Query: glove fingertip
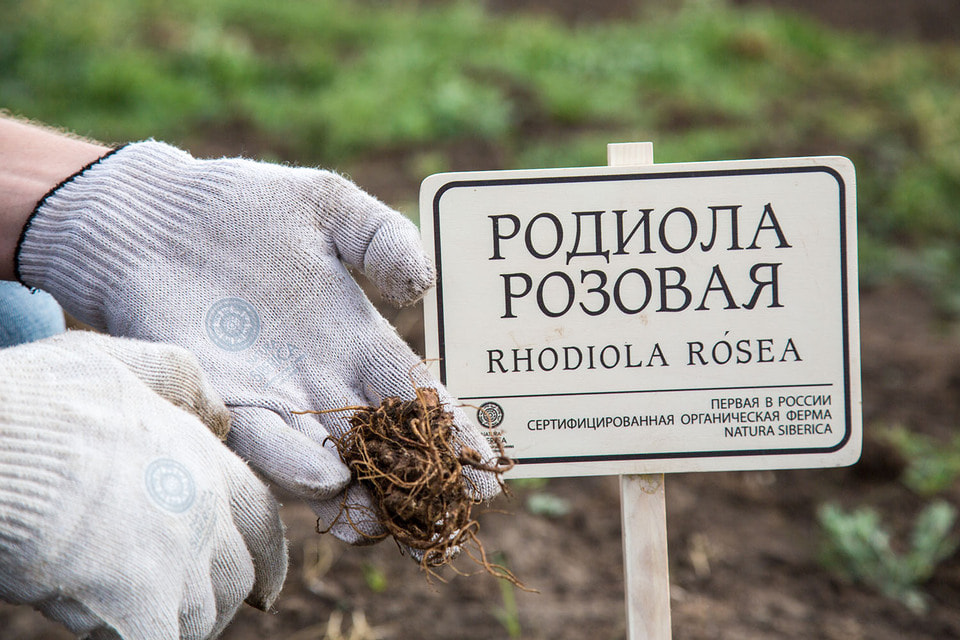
[396,262]
[257,515]
[482,485]
[350,517]
[266,591]
[286,457]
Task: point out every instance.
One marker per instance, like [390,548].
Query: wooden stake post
[643,512]
[646,574]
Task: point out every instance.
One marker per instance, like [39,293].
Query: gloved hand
[245,264]
[121,515]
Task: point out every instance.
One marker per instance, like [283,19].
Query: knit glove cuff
[109,222]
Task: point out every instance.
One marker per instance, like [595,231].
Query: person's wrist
[76,244]
[33,160]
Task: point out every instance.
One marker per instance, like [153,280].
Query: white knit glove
[245,264]
[121,514]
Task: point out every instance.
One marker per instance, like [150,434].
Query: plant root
[406,453]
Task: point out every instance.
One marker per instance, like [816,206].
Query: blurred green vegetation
[932,465]
[858,548]
[330,81]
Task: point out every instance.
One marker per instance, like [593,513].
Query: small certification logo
[233,324]
[170,485]
[490,415]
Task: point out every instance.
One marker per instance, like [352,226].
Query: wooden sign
[667,318]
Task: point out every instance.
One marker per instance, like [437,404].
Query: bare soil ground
[743,546]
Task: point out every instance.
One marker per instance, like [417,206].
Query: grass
[508,615]
[327,81]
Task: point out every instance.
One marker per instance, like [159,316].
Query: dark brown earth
[743,546]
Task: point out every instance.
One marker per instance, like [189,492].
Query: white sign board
[665,318]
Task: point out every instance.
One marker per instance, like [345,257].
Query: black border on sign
[648,175]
